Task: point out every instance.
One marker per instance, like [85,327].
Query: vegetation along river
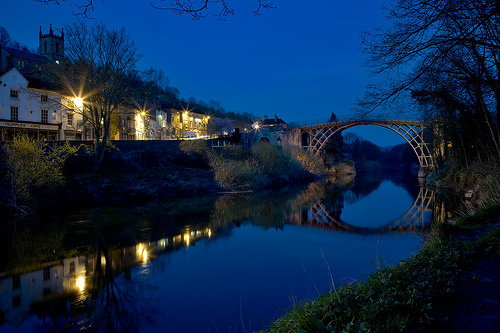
[229,263]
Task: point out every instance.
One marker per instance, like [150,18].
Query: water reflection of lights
[142,252]
[80,283]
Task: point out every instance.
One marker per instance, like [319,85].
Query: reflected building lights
[80,283]
[74,274]
[142,252]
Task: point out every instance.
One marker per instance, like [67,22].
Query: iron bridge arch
[316,137]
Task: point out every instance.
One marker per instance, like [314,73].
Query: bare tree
[196,9]
[444,56]
[100,75]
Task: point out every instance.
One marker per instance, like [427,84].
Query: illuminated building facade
[188,123]
[270,129]
[34,110]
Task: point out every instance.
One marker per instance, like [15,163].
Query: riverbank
[134,176]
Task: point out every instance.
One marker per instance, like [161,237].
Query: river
[229,263]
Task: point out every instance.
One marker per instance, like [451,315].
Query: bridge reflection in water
[321,215]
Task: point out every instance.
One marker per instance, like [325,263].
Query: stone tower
[51,45]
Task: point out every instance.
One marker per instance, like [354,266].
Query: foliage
[265,165]
[237,175]
[194,147]
[35,168]
[309,162]
[271,158]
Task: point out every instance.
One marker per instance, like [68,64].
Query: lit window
[14,113]
[14,93]
[45,116]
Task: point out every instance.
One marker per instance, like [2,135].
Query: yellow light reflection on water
[142,252]
[80,283]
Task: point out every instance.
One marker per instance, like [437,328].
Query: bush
[198,147]
[236,152]
[237,175]
[271,158]
[34,167]
[264,165]
[306,159]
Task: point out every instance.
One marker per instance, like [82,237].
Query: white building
[36,111]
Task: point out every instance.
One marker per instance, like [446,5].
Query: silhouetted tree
[335,146]
[5,39]
[444,59]
[196,9]
[102,72]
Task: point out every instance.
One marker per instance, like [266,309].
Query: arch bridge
[315,137]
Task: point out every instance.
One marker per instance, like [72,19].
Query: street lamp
[78,101]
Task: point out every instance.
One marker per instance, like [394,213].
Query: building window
[45,116]
[14,93]
[46,274]
[14,113]
[16,282]
[72,267]
[70,120]
[44,98]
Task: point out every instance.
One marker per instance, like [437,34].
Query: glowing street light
[78,101]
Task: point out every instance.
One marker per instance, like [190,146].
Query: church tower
[51,45]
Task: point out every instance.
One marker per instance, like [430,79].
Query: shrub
[34,167]
[306,159]
[237,175]
[236,152]
[271,157]
[194,147]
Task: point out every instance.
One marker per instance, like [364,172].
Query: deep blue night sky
[301,61]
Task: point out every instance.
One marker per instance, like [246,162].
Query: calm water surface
[212,264]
